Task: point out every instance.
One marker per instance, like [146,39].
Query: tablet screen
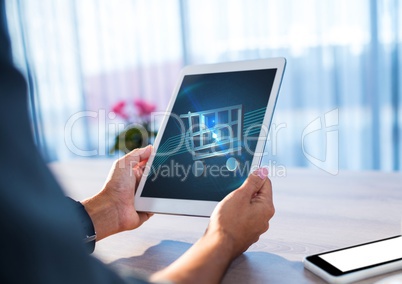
[210,137]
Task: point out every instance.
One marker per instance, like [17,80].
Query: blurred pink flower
[118,109]
[144,108]
[137,118]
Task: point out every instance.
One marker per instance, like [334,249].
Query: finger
[142,164]
[137,173]
[253,184]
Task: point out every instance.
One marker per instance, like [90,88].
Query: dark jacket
[41,237]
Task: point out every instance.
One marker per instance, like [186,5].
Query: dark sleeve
[41,238]
[89,236]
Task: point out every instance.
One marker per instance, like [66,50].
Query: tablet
[212,136]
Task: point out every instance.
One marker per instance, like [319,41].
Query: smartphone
[357,262]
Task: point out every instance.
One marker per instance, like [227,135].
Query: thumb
[137,155]
[255,181]
[141,154]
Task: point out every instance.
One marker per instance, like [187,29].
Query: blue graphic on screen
[209,141]
[214,132]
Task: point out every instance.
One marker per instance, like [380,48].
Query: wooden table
[315,212]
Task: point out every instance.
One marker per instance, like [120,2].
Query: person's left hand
[112,210]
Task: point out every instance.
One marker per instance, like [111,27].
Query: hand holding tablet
[212,136]
[236,223]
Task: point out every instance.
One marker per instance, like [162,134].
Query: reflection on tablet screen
[211,135]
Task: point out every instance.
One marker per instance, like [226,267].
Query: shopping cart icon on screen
[213,133]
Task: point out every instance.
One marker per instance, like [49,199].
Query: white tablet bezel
[197,207]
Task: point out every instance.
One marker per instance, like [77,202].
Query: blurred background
[340,101]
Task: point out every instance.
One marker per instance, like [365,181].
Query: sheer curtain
[84,56]
[340,102]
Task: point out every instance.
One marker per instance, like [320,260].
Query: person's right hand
[236,223]
[242,216]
